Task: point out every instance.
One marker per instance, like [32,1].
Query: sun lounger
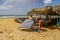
[26,24]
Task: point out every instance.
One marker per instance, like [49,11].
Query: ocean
[13,16]
[22,16]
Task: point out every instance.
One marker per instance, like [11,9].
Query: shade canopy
[44,11]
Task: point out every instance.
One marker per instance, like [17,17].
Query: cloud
[9,4]
[5,7]
[13,7]
[47,1]
[18,7]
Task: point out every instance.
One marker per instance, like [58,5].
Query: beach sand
[9,31]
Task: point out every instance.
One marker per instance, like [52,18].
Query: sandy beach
[9,31]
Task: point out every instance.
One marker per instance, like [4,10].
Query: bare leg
[39,27]
[32,27]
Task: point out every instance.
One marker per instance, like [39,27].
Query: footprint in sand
[11,38]
[9,31]
[1,31]
[23,39]
[32,39]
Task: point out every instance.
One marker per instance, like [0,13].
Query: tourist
[37,23]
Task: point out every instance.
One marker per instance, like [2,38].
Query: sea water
[13,16]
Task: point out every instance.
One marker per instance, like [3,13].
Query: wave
[13,16]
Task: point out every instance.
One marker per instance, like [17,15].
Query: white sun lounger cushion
[27,24]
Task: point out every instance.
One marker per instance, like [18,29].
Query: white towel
[27,24]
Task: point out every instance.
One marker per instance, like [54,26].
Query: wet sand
[9,31]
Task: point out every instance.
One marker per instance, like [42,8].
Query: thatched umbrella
[36,11]
[31,12]
[44,11]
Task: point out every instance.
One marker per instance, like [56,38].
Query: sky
[22,7]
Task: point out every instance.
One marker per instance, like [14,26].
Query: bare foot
[39,31]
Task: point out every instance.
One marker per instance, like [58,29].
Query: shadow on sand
[44,30]
[26,30]
[52,27]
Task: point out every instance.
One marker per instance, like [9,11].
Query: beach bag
[27,24]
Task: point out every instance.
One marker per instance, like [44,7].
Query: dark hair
[39,19]
[30,15]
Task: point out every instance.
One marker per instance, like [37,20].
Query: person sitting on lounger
[37,23]
[31,24]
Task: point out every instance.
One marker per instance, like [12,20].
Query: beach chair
[26,24]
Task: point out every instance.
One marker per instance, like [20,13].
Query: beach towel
[27,24]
